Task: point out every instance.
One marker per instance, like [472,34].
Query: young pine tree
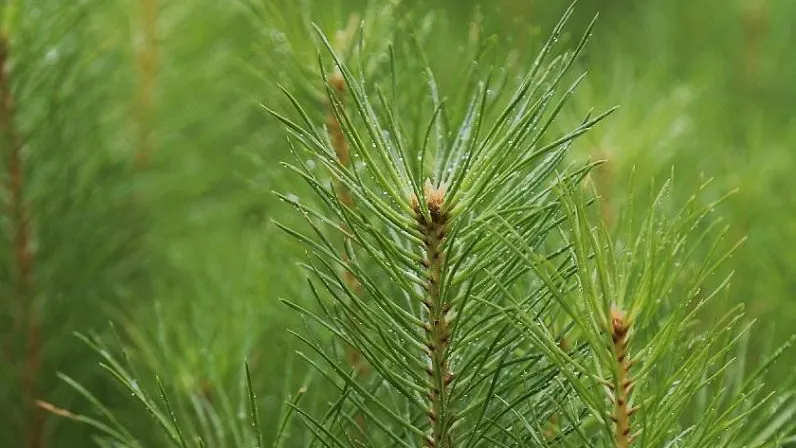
[413,232]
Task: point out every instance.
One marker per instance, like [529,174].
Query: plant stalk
[23,259]
[622,382]
[437,326]
[340,146]
[147,64]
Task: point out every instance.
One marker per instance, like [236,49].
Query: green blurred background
[150,165]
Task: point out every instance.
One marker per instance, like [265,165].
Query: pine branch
[23,259]
[146,61]
[338,141]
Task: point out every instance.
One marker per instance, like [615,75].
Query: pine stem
[337,137]
[341,149]
[756,27]
[344,157]
[22,253]
[622,382]
[437,325]
[146,61]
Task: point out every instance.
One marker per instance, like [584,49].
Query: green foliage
[636,300]
[467,276]
[69,244]
[420,318]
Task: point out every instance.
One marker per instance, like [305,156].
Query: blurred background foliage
[148,167]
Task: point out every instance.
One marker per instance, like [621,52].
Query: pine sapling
[443,362]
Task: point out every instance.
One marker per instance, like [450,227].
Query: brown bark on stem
[146,59]
[23,260]
[340,146]
[437,323]
[337,137]
[622,383]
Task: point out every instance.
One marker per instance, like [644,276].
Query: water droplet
[52,55]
